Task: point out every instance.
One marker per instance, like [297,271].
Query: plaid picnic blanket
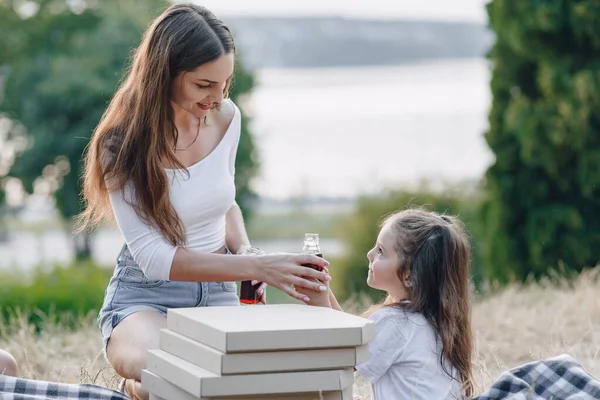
[557,378]
[28,389]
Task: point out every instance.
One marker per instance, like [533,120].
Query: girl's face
[384,263]
[202,89]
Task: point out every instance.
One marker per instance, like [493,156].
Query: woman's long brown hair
[434,251]
[137,132]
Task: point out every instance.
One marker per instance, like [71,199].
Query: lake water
[343,131]
[339,132]
[48,248]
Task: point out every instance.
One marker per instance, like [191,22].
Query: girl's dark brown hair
[434,252]
[137,132]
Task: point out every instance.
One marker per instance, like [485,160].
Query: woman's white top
[201,200]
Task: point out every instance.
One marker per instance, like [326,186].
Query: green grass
[63,291]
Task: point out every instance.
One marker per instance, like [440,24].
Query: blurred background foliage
[536,209]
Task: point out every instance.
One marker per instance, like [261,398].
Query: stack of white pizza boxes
[272,352]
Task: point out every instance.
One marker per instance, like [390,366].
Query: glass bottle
[248,291]
[311,246]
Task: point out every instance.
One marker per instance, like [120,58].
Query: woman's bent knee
[127,362]
[8,364]
[130,341]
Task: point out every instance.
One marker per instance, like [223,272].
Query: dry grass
[512,326]
[521,324]
[57,354]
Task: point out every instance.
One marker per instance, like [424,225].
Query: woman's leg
[128,346]
[8,364]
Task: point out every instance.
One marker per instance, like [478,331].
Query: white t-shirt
[404,360]
[201,200]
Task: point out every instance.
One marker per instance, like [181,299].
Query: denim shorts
[129,291]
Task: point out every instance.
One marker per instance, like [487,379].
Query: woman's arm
[278,270]
[236,237]
[192,265]
[159,259]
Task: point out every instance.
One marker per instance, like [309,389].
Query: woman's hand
[262,291]
[285,272]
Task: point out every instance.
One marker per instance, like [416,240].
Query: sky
[454,10]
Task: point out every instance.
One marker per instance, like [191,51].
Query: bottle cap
[311,237]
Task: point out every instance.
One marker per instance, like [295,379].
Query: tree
[543,190]
[246,162]
[62,62]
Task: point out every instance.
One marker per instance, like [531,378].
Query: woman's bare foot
[8,364]
[134,390]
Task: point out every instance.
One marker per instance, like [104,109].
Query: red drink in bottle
[248,291]
[248,294]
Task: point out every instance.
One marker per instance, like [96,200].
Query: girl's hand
[334,302]
[285,272]
[320,299]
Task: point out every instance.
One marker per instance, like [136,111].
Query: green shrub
[74,290]
[543,189]
[361,229]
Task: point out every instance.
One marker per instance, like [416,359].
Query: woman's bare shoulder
[225,113]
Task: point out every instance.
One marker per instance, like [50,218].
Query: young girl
[423,343]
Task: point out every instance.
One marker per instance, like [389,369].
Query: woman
[161,162]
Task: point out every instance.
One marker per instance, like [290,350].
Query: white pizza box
[202,383]
[346,394]
[259,362]
[274,327]
[160,389]
[343,395]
